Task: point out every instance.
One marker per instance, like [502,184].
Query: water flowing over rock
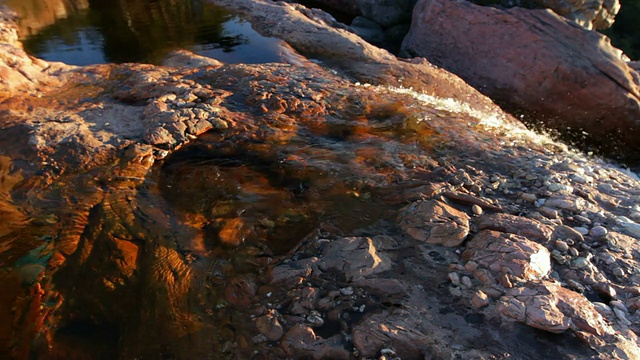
[563,75]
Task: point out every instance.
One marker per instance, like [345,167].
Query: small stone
[548,212]
[471,266]
[607,258]
[618,272]
[617,304]
[466,281]
[346,291]
[562,245]
[476,209]
[598,231]
[479,299]
[315,319]
[576,285]
[579,263]
[558,257]
[621,316]
[270,327]
[574,252]
[581,230]
[454,278]
[528,197]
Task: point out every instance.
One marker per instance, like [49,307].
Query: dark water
[106,31]
[625,32]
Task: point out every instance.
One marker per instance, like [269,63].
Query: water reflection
[85,32]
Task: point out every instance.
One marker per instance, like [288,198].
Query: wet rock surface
[285,211]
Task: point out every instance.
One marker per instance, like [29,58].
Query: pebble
[582,230]
[455,278]
[618,271]
[622,317]
[466,281]
[607,258]
[574,252]
[617,304]
[476,209]
[548,212]
[579,263]
[576,286]
[598,231]
[562,245]
[315,319]
[479,299]
[346,291]
[528,197]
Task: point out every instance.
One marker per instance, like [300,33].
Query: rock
[240,292]
[598,231]
[368,30]
[562,245]
[518,225]
[270,327]
[356,257]
[591,14]
[564,232]
[185,58]
[387,12]
[550,307]
[479,299]
[434,222]
[302,342]
[396,329]
[599,94]
[508,254]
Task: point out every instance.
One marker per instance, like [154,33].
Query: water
[102,31]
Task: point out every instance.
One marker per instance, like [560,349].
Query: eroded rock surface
[284,211]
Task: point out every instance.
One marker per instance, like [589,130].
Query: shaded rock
[302,341]
[397,329]
[518,225]
[434,222]
[356,257]
[387,12]
[270,327]
[508,254]
[368,30]
[575,80]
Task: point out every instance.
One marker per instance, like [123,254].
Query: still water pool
[82,32]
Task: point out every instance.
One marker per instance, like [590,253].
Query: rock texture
[563,75]
[282,211]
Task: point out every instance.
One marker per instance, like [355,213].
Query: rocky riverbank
[285,210]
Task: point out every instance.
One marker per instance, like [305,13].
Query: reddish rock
[534,61]
[517,225]
[549,306]
[508,254]
[356,257]
[434,222]
[397,329]
[302,342]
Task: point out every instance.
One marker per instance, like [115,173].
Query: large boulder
[536,62]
